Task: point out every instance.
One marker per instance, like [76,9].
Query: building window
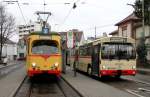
[32,29]
[124,31]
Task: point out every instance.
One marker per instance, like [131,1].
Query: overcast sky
[103,14]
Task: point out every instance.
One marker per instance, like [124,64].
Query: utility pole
[95,32]
[143,21]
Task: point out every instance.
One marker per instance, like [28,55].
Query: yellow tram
[44,54]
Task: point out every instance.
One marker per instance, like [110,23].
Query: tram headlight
[133,67]
[33,64]
[56,64]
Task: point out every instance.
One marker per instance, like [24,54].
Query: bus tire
[117,76]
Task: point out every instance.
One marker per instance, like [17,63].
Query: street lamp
[149,20]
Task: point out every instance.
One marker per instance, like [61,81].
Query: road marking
[131,92]
[143,89]
[138,81]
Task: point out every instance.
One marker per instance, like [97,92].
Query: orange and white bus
[44,54]
[107,56]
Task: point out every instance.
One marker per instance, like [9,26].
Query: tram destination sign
[118,39]
[45,37]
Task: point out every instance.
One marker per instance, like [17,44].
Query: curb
[80,94]
[14,93]
[8,65]
[143,72]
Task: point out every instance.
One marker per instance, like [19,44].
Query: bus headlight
[56,64]
[133,67]
[103,67]
[33,64]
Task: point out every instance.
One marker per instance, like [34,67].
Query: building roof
[114,32]
[76,33]
[128,18]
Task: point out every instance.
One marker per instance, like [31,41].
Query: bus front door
[95,60]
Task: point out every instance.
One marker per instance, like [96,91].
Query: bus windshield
[118,51]
[44,47]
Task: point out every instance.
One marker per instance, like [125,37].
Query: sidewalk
[10,83]
[143,70]
[9,63]
[88,87]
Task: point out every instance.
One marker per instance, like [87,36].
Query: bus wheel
[89,71]
[117,76]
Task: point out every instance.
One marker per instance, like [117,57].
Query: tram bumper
[38,72]
[117,72]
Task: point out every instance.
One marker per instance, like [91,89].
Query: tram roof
[39,33]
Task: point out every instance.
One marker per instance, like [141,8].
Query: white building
[131,27]
[26,29]
[9,50]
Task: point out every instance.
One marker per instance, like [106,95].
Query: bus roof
[102,39]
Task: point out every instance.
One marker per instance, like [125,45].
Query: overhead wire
[12,2]
[44,8]
[66,17]
[98,27]
[22,13]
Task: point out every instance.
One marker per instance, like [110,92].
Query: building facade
[9,50]
[131,27]
[78,37]
[24,31]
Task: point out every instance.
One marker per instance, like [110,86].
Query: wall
[139,31]
[9,50]
[128,27]
[139,34]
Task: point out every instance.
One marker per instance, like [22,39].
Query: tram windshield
[118,51]
[44,47]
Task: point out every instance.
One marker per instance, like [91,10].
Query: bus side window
[89,51]
[99,54]
[81,51]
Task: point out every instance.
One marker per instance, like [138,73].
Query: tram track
[46,88]
[133,86]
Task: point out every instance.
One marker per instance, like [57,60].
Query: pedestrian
[75,61]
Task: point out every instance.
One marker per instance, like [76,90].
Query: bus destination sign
[118,39]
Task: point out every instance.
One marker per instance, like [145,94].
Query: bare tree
[7,27]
